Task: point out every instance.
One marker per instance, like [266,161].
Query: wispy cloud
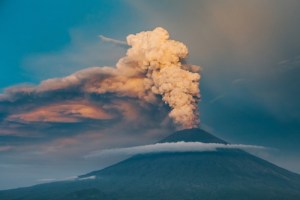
[71,178]
[5,148]
[46,180]
[86,178]
[172,147]
[114,41]
[217,98]
[289,64]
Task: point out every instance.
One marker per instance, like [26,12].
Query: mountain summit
[192,135]
[212,175]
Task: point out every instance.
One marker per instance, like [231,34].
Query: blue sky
[249,52]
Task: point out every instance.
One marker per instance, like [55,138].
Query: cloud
[217,98]
[5,148]
[114,41]
[172,147]
[86,178]
[289,64]
[46,180]
[71,178]
[65,112]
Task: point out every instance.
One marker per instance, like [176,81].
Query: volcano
[209,175]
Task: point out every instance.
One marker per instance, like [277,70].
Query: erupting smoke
[159,60]
[152,72]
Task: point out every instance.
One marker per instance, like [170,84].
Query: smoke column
[159,59]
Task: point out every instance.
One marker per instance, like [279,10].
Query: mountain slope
[222,174]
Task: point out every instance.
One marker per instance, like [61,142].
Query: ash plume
[153,72]
[159,61]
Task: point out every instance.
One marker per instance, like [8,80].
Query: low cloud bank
[172,147]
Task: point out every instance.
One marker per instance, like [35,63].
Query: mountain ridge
[222,174]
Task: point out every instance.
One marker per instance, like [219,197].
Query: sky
[249,52]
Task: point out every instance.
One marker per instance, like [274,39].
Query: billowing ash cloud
[159,59]
[172,147]
[152,73]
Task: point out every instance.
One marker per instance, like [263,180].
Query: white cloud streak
[172,147]
[113,41]
[71,178]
